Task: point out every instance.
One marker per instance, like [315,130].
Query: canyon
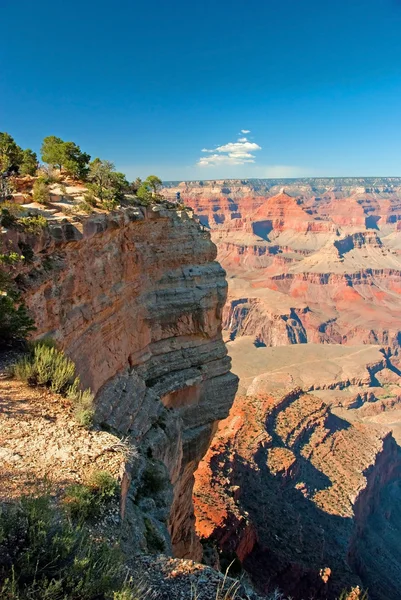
[301,483]
[243,349]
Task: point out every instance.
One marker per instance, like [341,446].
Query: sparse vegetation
[9,214]
[15,322]
[154,540]
[87,501]
[90,198]
[45,365]
[153,479]
[44,555]
[33,223]
[85,207]
[40,191]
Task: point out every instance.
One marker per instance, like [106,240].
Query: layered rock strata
[135,298]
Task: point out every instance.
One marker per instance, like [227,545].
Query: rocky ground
[42,447]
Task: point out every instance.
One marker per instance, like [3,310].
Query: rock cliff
[135,298]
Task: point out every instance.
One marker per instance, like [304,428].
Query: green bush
[80,503]
[43,555]
[87,501]
[27,252]
[33,223]
[85,207]
[83,404]
[153,479]
[46,366]
[15,322]
[41,192]
[110,204]
[103,485]
[90,198]
[9,214]
[154,540]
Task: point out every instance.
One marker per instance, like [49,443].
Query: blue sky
[150,84]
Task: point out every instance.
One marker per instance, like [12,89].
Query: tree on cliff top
[149,189]
[65,155]
[11,154]
[107,183]
[29,162]
[154,182]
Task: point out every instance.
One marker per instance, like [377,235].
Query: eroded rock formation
[135,298]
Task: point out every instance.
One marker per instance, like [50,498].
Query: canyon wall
[135,298]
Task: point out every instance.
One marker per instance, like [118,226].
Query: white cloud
[245,131]
[232,153]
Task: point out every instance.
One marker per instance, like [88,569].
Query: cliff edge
[135,298]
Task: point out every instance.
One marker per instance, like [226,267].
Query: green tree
[75,161]
[100,174]
[10,153]
[144,194]
[107,184]
[135,185]
[29,162]
[65,155]
[154,183]
[52,151]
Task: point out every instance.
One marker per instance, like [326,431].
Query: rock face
[135,298]
[291,490]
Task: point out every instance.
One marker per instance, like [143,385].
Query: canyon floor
[302,481]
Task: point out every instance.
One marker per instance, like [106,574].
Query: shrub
[103,485]
[49,174]
[10,258]
[47,366]
[85,207]
[27,252]
[41,191]
[79,502]
[154,540]
[90,198]
[87,501]
[33,223]
[15,322]
[153,479]
[43,555]
[83,404]
[110,204]
[9,213]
